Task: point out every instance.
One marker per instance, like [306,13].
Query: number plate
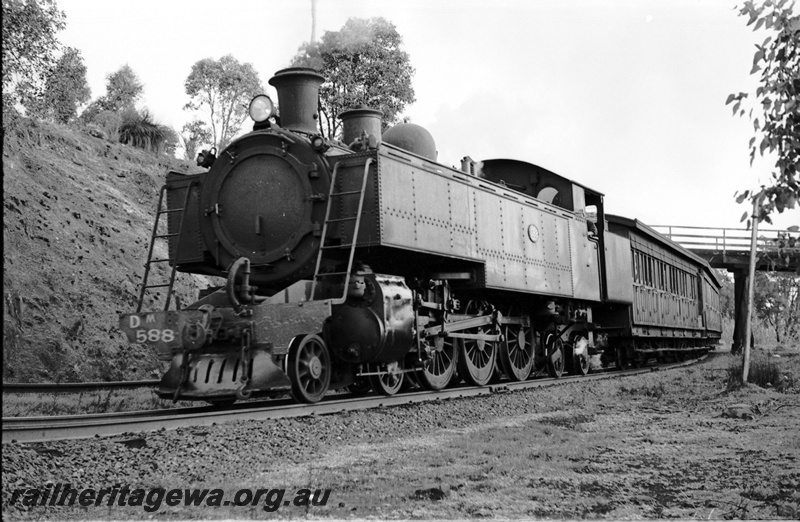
[159,330]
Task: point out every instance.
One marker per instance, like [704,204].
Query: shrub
[109,122]
[95,130]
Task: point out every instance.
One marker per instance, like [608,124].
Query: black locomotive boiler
[366,261]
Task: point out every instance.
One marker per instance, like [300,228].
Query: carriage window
[548,195]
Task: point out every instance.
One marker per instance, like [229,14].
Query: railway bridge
[729,249]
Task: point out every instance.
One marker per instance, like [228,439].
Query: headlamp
[261,108]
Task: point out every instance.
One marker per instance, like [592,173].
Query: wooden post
[740,309]
[750,288]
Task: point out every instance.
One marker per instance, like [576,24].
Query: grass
[654,390]
[766,370]
[106,401]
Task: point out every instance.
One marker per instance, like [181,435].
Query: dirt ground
[667,444]
[77,218]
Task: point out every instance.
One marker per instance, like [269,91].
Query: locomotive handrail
[355,230]
[160,211]
[329,220]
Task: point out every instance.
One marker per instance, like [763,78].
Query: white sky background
[624,96]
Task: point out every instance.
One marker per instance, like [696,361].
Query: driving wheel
[476,357]
[438,368]
[516,351]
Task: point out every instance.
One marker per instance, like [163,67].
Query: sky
[624,96]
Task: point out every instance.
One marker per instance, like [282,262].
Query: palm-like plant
[138,129]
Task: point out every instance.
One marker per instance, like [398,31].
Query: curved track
[40,429]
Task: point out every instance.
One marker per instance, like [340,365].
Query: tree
[171,141]
[363,63]
[223,88]
[123,89]
[777,303]
[194,135]
[66,88]
[29,47]
[776,119]
[727,299]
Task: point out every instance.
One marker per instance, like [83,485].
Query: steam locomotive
[366,263]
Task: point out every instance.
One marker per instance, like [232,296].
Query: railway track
[42,429]
[74,387]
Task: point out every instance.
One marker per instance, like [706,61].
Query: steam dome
[413,138]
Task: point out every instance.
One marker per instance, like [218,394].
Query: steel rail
[45,429]
[74,387]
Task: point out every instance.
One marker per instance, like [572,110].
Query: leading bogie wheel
[440,365]
[309,368]
[555,356]
[389,380]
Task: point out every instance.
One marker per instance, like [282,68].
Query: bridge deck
[729,248]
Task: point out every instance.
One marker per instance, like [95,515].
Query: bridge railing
[730,240]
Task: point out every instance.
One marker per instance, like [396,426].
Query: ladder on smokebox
[169,284]
[356,220]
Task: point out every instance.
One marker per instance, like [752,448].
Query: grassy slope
[77,217]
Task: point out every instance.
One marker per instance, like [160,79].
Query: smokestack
[298,98]
[358,120]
